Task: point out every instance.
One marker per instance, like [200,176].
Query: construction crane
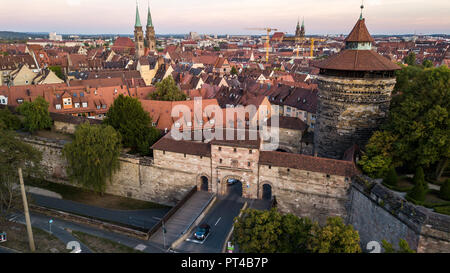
[268,30]
[312,40]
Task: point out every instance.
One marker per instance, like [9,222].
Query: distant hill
[10,35]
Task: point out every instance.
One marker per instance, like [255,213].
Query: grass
[18,239]
[443,210]
[101,245]
[88,197]
[404,184]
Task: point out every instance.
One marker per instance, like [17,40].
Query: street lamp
[50,225]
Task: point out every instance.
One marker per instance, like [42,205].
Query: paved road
[220,218]
[59,230]
[181,220]
[137,218]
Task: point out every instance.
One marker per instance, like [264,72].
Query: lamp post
[50,225]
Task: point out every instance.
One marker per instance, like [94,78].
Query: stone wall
[379,214]
[349,111]
[306,194]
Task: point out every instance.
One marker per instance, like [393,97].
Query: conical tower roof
[360,33]
[138,18]
[149,18]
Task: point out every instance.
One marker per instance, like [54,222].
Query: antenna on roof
[362,7]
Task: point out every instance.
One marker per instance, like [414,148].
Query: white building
[54,37]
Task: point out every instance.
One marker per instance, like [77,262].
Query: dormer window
[77,105]
[189,124]
[177,125]
[211,121]
[85,104]
[104,106]
[58,107]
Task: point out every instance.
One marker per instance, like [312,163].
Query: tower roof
[138,18]
[363,59]
[149,18]
[360,33]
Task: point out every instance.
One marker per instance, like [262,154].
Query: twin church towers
[141,43]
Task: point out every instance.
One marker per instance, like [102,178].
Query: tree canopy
[9,121]
[272,232]
[93,156]
[127,116]
[37,116]
[15,154]
[403,247]
[417,132]
[167,90]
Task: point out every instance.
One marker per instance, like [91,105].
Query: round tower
[354,96]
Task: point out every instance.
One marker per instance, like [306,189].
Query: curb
[194,224]
[10,249]
[224,248]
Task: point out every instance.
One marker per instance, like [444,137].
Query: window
[189,124]
[250,151]
[85,104]
[81,94]
[104,106]
[234,150]
[98,106]
[58,106]
[77,105]
[67,101]
[328,176]
[248,163]
[177,125]
[220,149]
[220,161]
[153,124]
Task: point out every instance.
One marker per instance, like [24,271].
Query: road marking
[218,221]
[140,247]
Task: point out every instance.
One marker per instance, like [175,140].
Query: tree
[378,156]
[36,114]
[93,156]
[271,232]
[419,190]
[9,121]
[391,177]
[444,192]
[234,71]
[167,90]
[15,154]
[402,244]
[427,63]
[334,237]
[127,116]
[410,59]
[58,71]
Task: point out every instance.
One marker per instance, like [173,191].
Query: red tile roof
[359,33]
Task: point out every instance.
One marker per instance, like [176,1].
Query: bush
[8,120]
[444,193]
[418,192]
[391,177]
[419,177]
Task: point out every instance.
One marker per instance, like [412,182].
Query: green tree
[271,232]
[419,124]
[58,71]
[410,59]
[405,77]
[15,154]
[427,63]
[419,190]
[402,245]
[36,114]
[167,90]
[334,237]
[93,156]
[378,156]
[234,71]
[127,116]
[391,177]
[444,192]
[8,120]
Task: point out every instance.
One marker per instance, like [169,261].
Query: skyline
[172,17]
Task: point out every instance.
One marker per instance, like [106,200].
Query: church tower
[138,36]
[150,38]
[302,29]
[355,88]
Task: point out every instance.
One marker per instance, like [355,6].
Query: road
[220,218]
[137,218]
[59,229]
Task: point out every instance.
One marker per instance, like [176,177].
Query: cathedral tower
[354,96]
[150,38]
[138,35]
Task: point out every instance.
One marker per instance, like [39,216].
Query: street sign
[51,221]
[2,237]
[230,247]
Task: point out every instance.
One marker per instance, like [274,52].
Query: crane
[312,40]
[268,30]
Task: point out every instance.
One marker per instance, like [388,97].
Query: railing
[171,212]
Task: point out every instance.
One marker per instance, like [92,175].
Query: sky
[225,16]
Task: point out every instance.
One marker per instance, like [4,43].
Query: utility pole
[27,214]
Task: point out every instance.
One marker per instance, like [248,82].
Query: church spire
[303,22]
[149,17]
[362,7]
[138,18]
